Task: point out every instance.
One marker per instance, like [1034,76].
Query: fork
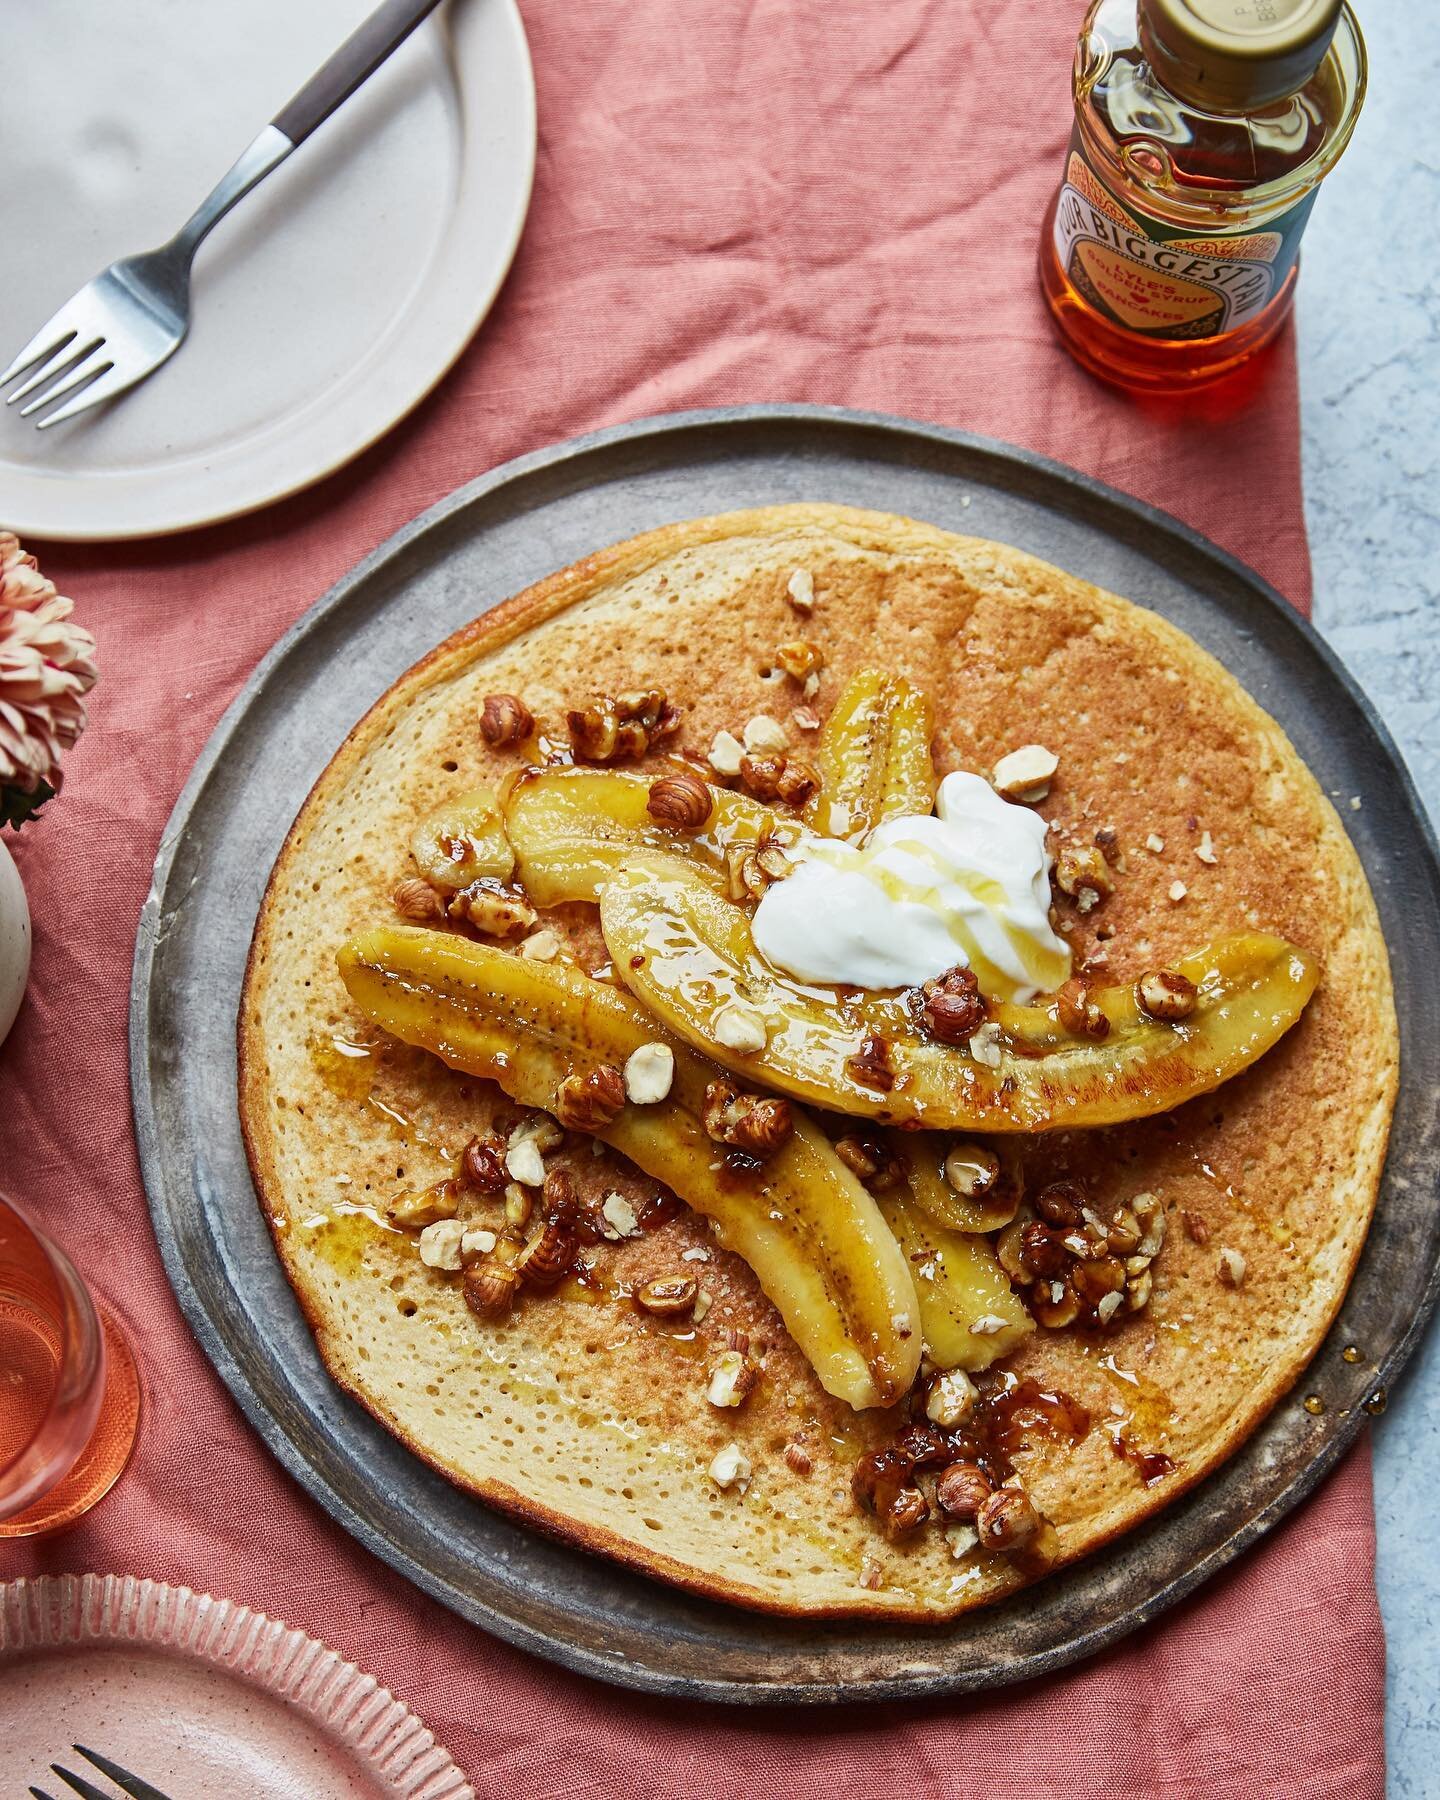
[123,1779]
[121,326]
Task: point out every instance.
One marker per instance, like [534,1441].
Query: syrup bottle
[1203,129]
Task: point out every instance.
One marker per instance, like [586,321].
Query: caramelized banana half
[874,757]
[688,953]
[813,1236]
[574,830]
[969,1313]
[463,841]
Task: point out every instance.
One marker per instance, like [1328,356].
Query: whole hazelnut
[680,802]
[505,719]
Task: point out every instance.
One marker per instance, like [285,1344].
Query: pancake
[588,1419]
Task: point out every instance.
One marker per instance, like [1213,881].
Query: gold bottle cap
[1230,55]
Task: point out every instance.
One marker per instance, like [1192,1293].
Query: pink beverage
[69,1393]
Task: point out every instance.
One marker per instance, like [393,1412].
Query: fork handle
[354,62]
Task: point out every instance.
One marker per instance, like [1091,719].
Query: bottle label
[1146,277]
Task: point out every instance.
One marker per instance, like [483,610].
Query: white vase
[14,940]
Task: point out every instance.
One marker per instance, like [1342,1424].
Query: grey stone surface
[1370,386]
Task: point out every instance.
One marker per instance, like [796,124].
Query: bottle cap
[1231,55]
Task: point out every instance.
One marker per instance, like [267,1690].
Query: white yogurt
[967,886]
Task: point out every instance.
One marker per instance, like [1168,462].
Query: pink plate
[199,1696]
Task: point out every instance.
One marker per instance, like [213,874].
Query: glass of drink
[69,1392]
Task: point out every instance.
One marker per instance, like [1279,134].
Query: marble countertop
[1369,324]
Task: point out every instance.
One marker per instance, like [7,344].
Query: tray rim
[619,1669]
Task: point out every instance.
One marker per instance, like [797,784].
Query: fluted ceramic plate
[325,307]
[199,1697]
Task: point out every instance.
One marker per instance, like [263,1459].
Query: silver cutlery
[121,326]
[87,1790]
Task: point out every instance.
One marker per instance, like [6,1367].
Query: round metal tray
[488,541]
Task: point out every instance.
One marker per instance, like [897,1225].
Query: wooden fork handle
[355,61]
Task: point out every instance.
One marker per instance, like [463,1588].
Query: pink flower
[46,665]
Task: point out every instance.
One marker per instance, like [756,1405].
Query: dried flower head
[47,665]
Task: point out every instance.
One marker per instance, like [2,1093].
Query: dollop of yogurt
[968,885]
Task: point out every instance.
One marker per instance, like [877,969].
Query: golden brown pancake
[589,1421]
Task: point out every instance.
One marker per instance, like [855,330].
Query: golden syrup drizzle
[346,1234]
[1142,1428]
[345,1065]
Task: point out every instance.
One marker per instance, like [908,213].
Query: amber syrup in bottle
[1203,129]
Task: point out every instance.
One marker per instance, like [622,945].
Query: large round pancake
[577,1416]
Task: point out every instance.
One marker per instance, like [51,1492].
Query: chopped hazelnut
[763,733]
[518,1205]
[726,753]
[591,1101]
[732,1380]
[1025,774]
[798,1458]
[667,1295]
[524,1163]
[541,946]
[649,1073]
[1007,1519]
[962,1490]
[1083,874]
[870,1066]
[731,1467]
[800,591]
[1107,1307]
[1077,1012]
[493,910]
[549,1254]
[1166,994]
[476,1242]
[417,900]
[951,1399]
[441,1201]
[985,1045]
[797,782]
[1154,843]
[972,1170]
[619,1218]
[741,1028]
[756,1123]
[799,658]
[481,1166]
[805,719]
[951,1008]
[1196,1228]
[1178,891]
[760,775]
[1232,1268]
[440,1244]
[988,1325]
[1205,849]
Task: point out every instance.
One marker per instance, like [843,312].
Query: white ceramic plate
[199,1697]
[331,300]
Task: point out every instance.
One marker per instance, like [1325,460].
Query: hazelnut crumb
[804,719]
[1205,849]
[985,1045]
[1178,891]
[540,946]
[987,1325]
[1231,1268]
[872,1576]
[1155,843]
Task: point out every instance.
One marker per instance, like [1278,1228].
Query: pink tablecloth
[772,200]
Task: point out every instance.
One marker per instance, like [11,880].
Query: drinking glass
[69,1391]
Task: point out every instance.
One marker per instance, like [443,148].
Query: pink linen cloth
[767,200]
